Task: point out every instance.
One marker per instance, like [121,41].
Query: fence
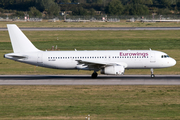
[107,18]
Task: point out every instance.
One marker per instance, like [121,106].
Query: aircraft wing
[99,64]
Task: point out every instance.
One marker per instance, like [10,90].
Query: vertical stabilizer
[20,43]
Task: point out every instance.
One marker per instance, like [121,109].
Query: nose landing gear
[152,75]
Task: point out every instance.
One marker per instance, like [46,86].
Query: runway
[87,80]
[95,28]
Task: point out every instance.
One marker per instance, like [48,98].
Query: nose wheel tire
[94,75]
[152,76]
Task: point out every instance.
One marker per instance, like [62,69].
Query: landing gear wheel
[152,76]
[94,75]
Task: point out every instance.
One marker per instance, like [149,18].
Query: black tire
[94,75]
[152,76]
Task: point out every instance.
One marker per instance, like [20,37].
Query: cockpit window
[164,56]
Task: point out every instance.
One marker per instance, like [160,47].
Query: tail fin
[19,41]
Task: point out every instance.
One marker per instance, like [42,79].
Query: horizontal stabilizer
[14,56]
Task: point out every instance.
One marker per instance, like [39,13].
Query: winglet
[20,43]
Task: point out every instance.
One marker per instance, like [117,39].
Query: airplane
[108,62]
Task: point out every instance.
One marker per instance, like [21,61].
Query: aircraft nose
[173,62]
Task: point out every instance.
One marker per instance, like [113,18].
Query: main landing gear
[152,75]
[94,75]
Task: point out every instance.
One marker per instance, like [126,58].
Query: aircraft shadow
[83,77]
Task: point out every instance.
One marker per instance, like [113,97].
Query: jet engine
[113,70]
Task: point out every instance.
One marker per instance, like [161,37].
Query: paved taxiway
[95,28]
[87,80]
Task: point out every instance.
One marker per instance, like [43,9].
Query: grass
[123,23]
[100,40]
[101,103]
[166,41]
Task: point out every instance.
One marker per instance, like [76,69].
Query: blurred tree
[178,5]
[92,11]
[97,1]
[147,2]
[64,1]
[165,3]
[136,9]
[137,1]
[49,6]
[79,11]
[33,12]
[19,14]
[115,7]
[163,11]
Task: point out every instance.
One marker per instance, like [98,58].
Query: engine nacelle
[113,70]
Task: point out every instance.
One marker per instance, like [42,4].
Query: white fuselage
[131,59]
